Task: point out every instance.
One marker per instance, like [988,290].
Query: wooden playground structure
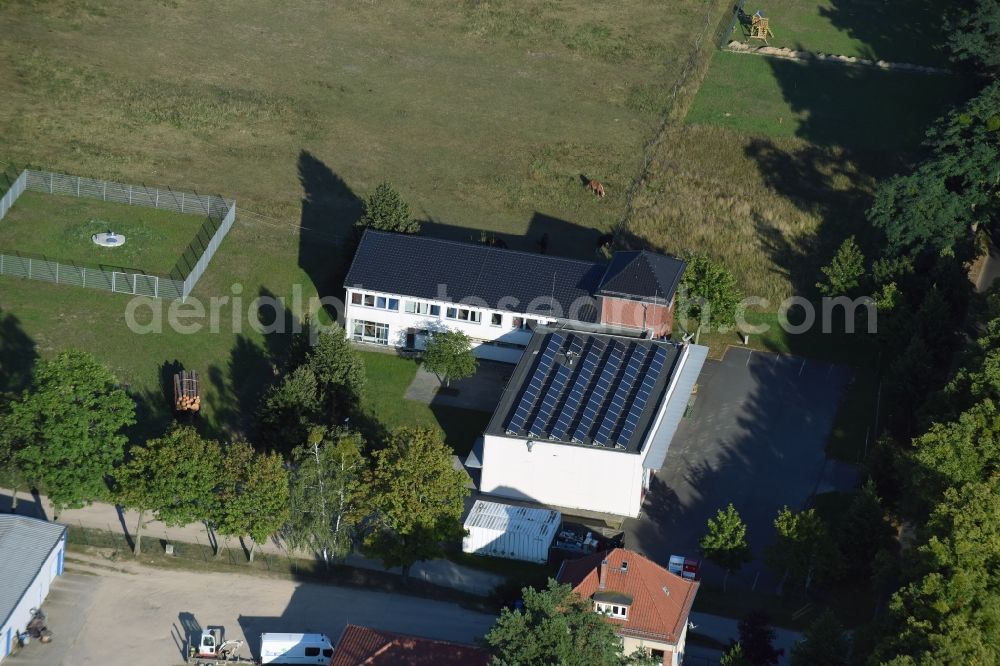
[187,391]
[760,27]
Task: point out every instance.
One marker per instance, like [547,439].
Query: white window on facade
[370,331]
[464,314]
[523,323]
[373,301]
[423,308]
[614,610]
[496,319]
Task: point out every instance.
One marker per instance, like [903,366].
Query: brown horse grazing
[596,187]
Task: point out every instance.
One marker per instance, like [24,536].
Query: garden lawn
[388,378]
[898,31]
[859,108]
[60,228]
[483,115]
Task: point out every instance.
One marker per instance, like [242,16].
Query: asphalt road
[123,614]
[754,437]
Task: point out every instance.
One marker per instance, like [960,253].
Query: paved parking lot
[127,615]
[754,437]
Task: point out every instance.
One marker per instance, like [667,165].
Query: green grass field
[483,115]
[899,31]
[388,378]
[832,105]
[60,228]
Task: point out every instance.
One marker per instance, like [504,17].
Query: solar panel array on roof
[571,405]
[599,392]
[617,406]
[540,425]
[530,394]
[642,396]
[588,389]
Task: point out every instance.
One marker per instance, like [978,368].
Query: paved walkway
[480,392]
[107,517]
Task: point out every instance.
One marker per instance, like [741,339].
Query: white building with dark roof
[586,419]
[31,556]
[402,288]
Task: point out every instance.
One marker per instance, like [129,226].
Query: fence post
[57,272]
[29,268]
[104,191]
[182,202]
[129,195]
[77,186]
[50,182]
[84,271]
[156,202]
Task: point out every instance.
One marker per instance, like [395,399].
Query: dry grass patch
[763,206]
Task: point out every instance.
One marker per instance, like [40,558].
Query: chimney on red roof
[603,573]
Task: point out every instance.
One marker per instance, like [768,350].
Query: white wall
[33,598]
[630,645]
[574,477]
[400,321]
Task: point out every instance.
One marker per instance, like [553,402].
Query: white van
[295,649]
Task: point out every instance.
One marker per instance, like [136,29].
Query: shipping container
[512,532]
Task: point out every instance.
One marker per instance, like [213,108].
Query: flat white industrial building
[31,556]
[586,420]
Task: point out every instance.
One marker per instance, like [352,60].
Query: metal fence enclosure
[121,281]
[192,279]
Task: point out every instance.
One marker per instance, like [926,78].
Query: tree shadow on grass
[900,31]
[238,389]
[823,182]
[326,229]
[863,108]
[17,355]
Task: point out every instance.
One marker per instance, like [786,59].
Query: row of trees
[807,548]
[936,466]
[401,497]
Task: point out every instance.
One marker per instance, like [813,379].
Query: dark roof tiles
[642,274]
[446,270]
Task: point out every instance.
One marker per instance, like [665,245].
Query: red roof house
[362,646]
[648,605]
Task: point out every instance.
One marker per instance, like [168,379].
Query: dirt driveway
[124,614]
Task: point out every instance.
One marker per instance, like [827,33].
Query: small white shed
[512,532]
[31,556]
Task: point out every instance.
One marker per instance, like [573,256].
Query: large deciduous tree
[291,409]
[823,644]
[65,431]
[327,494]
[175,477]
[725,543]
[339,371]
[974,34]
[804,547]
[385,210]
[253,495]
[947,614]
[934,208]
[449,356]
[757,639]
[555,626]
[418,498]
[955,452]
